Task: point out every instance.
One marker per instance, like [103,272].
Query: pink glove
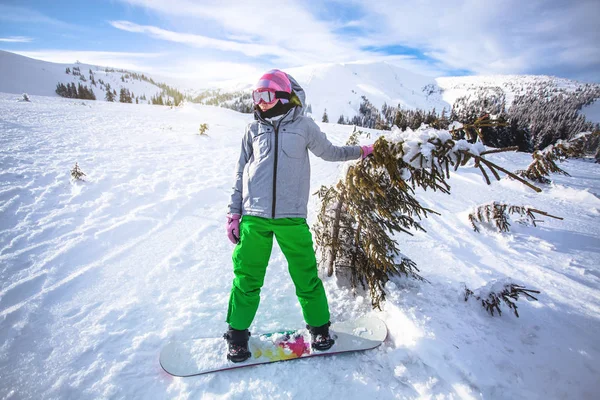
[366,151]
[233,228]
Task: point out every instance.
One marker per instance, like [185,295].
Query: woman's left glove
[366,151]
[233,228]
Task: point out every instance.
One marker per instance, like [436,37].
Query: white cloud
[16,39]
[538,36]
[249,49]
[283,26]
[199,73]
[493,37]
[123,60]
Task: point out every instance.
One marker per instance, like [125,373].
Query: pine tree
[72,91]
[109,94]
[81,92]
[416,121]
[400,120]
[125,96]
[62,90]
[376,199]
[325,116]
[76,173]
[444,122]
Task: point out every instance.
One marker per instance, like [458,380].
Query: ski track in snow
[97,276]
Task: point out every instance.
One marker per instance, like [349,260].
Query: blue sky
[210,40]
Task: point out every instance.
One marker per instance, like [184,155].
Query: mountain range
[338,89]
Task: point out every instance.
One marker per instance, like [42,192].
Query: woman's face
[267,106]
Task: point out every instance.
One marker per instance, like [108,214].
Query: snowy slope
[339,87]
[97,276]
[19,74]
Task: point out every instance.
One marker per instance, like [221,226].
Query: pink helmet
[275,80]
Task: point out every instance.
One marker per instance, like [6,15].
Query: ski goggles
[264,95]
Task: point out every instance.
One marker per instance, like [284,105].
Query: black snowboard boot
[238,345]
[319,335]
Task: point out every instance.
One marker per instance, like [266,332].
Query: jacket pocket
[294,145]
[261,144]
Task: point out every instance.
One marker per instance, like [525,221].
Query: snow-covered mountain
[20,74]
[510,85]
[337,88]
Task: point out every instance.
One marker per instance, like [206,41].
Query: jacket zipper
[276,126]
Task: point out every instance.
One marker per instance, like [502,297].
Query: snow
[97,276]
[26,75]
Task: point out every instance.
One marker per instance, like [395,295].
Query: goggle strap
[282,95]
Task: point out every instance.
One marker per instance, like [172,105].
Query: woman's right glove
[233,227]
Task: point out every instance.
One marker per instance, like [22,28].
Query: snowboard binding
[320,339]
[237,341]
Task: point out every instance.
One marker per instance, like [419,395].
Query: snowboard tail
[202,356]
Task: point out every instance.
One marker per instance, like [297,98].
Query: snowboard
[202,356]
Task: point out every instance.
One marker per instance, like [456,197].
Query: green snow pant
[250,260]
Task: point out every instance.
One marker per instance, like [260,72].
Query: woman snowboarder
[270,197]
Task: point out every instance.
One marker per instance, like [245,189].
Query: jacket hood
[297,89]
[301,98]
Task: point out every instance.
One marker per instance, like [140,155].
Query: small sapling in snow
[77,174]
[203,129]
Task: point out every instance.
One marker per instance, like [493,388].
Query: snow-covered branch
[497,292]
[376,199]
[544,161]
[498,213]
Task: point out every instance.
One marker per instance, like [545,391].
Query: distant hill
[20,74]
[338,88]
